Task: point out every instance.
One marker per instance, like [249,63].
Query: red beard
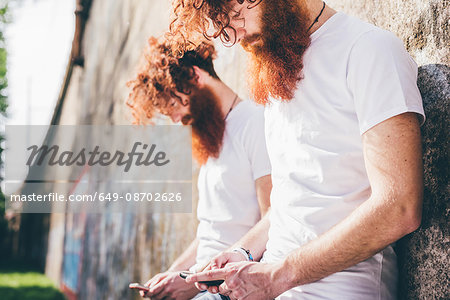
[276,58]
[208,124]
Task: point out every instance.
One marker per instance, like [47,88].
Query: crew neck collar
[235,108]
[328,23]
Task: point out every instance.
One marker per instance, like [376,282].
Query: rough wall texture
[422,25]
[96,256]
[424,255]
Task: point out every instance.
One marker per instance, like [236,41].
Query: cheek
[253,20]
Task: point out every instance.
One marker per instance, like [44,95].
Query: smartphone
[138,286]
[185,274]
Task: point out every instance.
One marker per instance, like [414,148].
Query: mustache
[187,119]
[249,40]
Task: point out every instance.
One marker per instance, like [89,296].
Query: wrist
[282,277]
[176,268]
[245,253]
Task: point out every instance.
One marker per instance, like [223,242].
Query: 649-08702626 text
[100,197]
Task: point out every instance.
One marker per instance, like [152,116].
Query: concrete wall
[422,25]
[424,254]
[95,256]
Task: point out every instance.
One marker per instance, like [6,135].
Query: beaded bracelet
[244,252]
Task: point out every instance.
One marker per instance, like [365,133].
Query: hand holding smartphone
[185,274]
[138,286]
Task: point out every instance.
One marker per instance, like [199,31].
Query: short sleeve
[254,143]
[382,78]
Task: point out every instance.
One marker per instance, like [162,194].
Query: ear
[200,76]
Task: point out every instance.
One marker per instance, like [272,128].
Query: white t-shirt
[228,207]
[355,76]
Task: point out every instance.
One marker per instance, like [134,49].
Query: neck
[225,95]
[314,7]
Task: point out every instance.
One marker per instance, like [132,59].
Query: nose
[175,118]
[240,34]
[234,33]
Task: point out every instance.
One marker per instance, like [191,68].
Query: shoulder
[377,39]
[346,29]
[247,114]
[377,42]
[383,50]
[362,34]
[246,125]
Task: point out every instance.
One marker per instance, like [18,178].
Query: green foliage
[27,286]
[4,19]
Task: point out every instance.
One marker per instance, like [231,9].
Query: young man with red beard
[342,129]
[234,182]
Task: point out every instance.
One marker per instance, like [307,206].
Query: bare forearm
[368,230]
[393,160]
[255,240]
[186,259]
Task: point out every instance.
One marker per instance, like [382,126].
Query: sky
[39,42]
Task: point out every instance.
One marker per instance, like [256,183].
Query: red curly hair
[275,64]
[191,19]
[162,73]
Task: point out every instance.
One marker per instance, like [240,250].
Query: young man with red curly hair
[342,128]
[234,182]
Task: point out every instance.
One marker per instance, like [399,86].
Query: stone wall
[424,254]
[422,25]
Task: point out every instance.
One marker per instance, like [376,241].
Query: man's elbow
[411,215]
[413,222]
